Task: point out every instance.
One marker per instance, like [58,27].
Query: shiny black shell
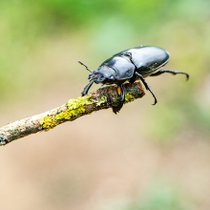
[145,60]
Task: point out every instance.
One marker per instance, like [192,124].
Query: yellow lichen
[78,102]
[129,97]
[102,100]
[75,108]
[48,122]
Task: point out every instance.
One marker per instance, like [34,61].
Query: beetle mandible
[130,65]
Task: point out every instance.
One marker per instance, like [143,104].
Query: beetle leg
[171,72]
[121,93]
[147,87]
[87,87]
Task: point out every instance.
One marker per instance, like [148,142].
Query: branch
[103,98]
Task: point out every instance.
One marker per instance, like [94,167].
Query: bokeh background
[146,157]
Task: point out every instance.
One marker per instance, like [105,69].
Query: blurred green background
[147,157]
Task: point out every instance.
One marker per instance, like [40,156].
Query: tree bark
[103,98]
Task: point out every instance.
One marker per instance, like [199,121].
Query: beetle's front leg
[121,93]
[147,87]
[87,87]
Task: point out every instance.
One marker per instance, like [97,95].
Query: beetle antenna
[84,66]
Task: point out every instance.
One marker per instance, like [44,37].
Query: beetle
[130,65]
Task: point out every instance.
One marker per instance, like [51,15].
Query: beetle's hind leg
[147,87]
[171,72]
[121,93]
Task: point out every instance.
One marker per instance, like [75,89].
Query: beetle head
[103,74]
[97,77]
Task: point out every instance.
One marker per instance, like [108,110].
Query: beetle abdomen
[149,59]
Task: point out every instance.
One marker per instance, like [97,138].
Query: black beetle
[130,65]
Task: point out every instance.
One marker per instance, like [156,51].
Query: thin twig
[103,98]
